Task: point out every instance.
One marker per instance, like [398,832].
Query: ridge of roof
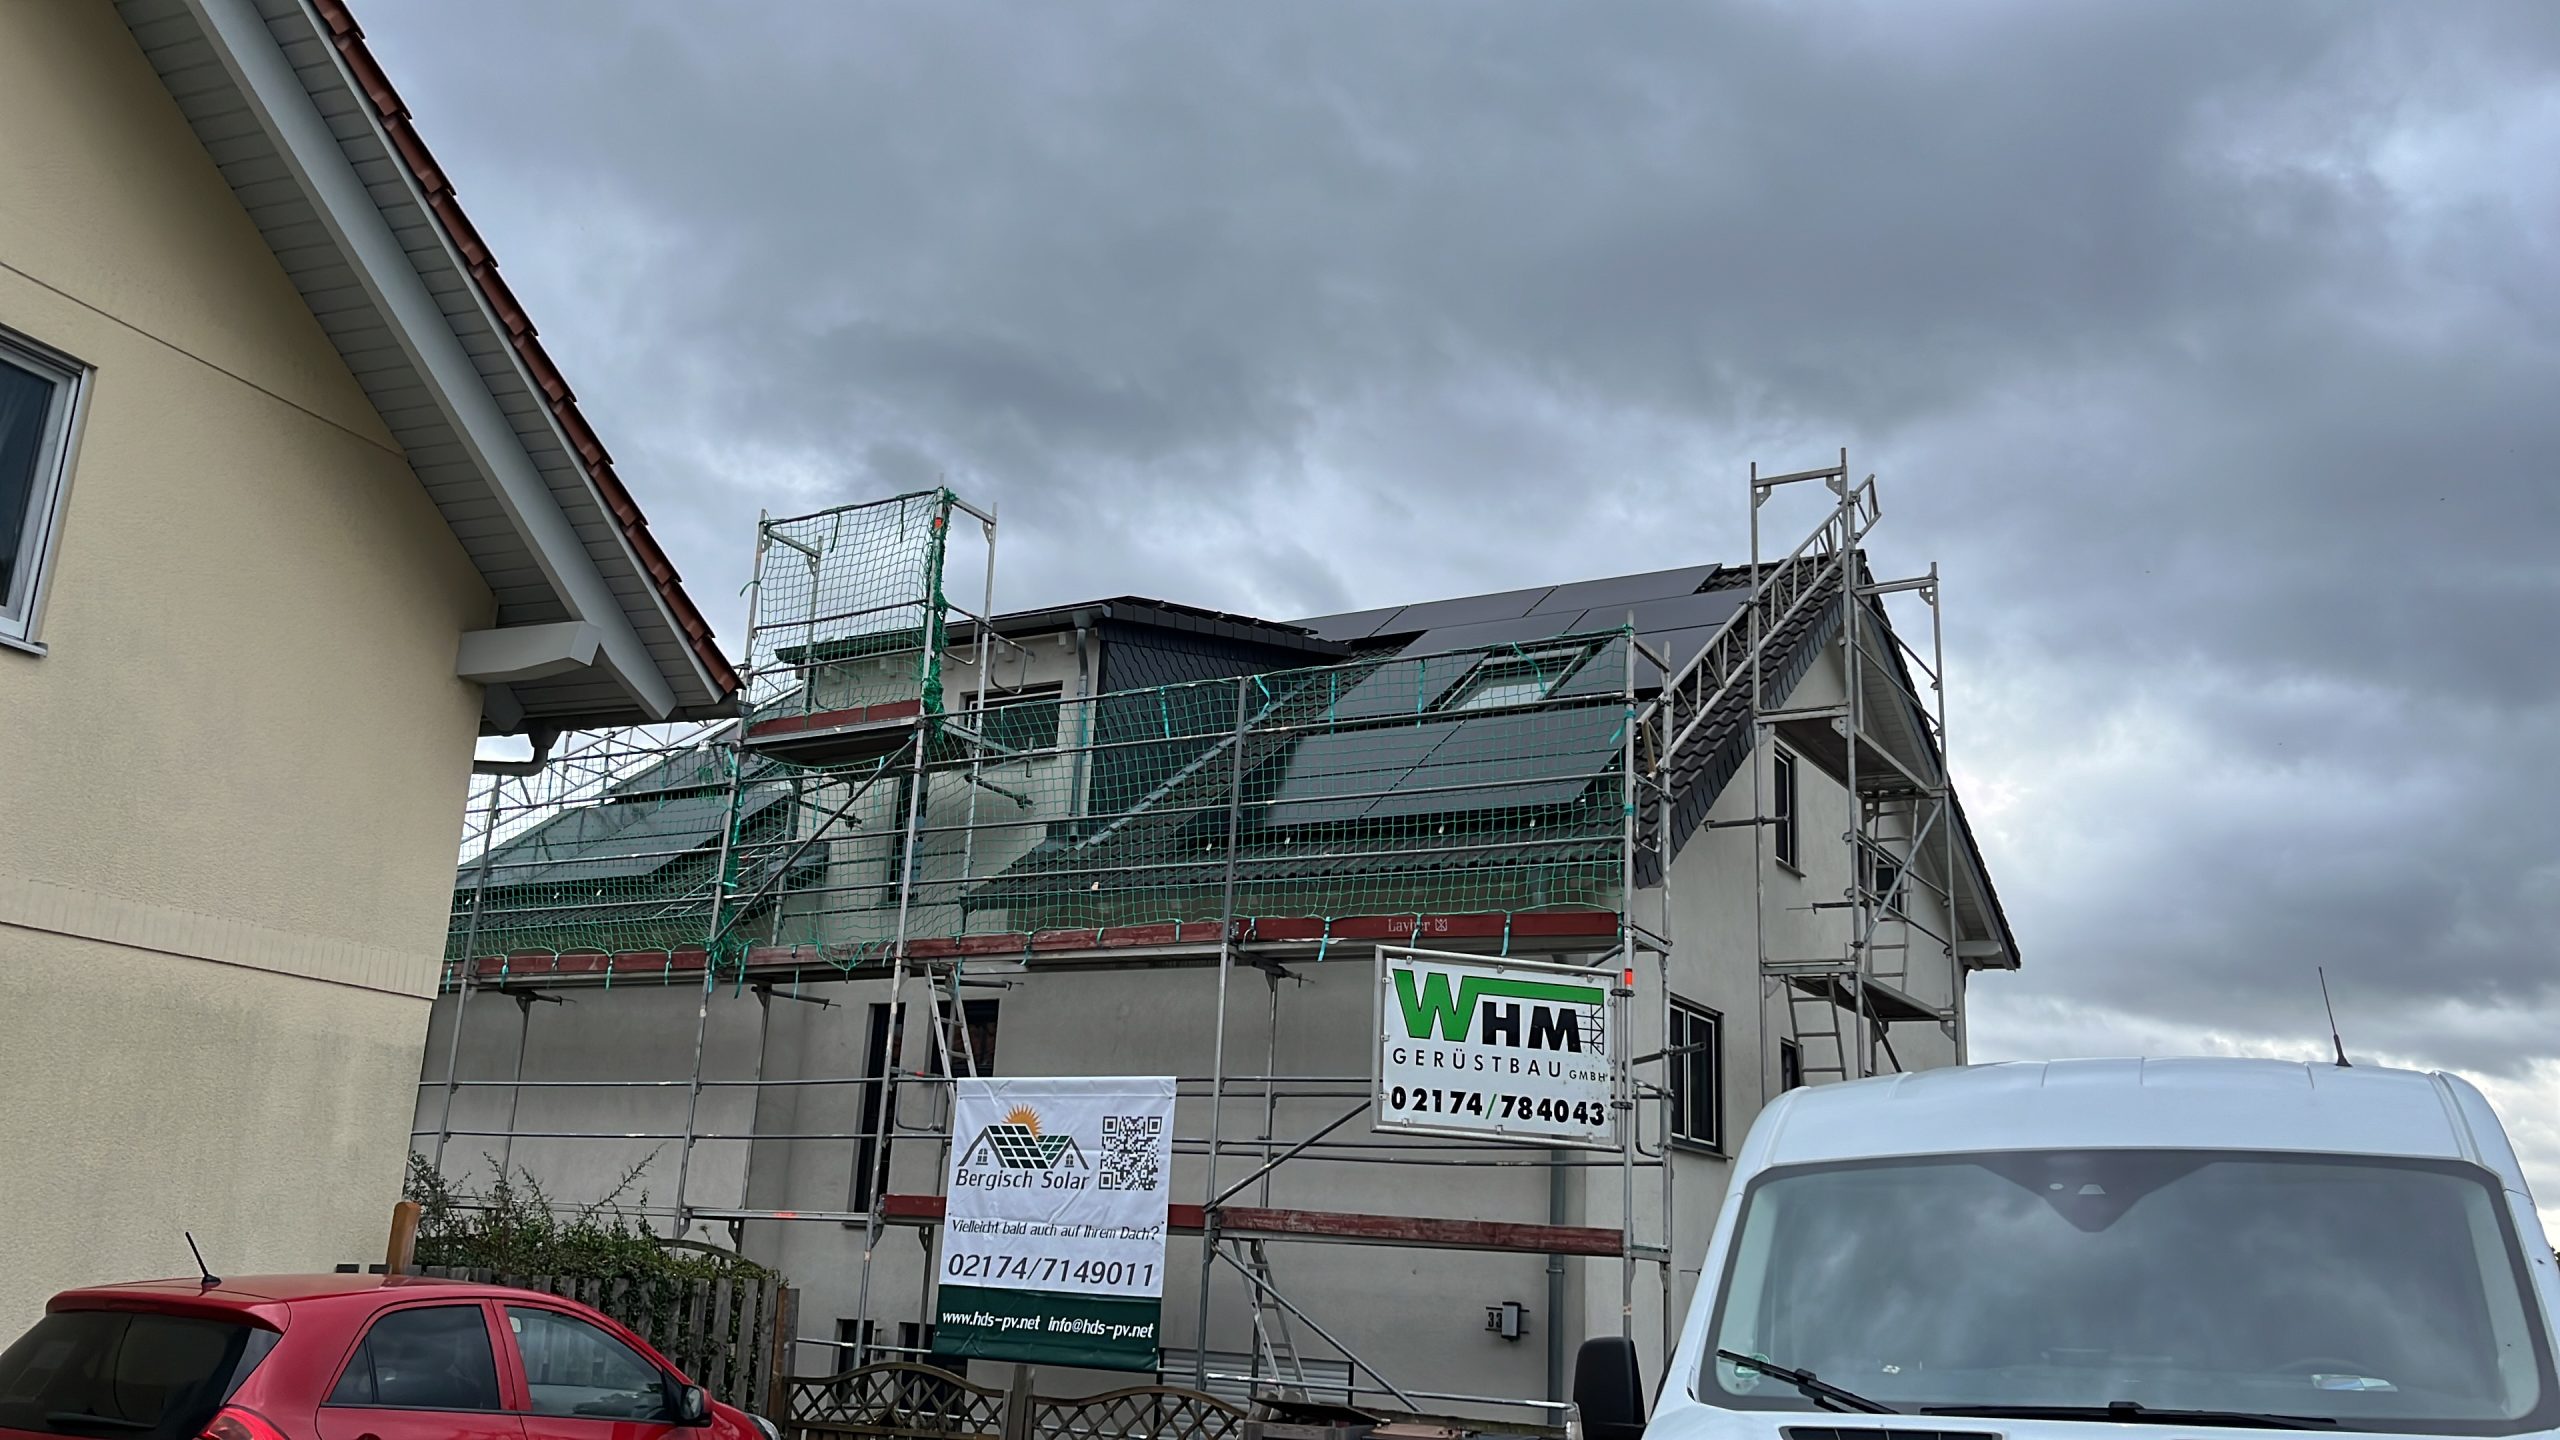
[1151,610]
[393,115]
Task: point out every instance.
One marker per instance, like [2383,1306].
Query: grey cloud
[2209,347]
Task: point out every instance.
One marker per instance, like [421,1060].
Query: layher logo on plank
[1016,1143]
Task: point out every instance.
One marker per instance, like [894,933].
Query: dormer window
[1519,679]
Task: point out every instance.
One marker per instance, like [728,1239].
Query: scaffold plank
[1528,929]
[1243,1222]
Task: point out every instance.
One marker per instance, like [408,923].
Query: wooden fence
[900,1401]
[732,1336]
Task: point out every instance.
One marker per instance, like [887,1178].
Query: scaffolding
[1883,741]
[889,805]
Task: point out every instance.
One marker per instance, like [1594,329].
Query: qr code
[1130,1159]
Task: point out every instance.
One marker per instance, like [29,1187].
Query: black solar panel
[1678,612]
[1624,589]
[1507,762]
[1680,646]
[1604,673]
[1465,610]
[1332,776]
[1402,687]
[1455,766]
[1351,625]
[1494,635]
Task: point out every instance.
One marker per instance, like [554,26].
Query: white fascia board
[302,139]
[527,652]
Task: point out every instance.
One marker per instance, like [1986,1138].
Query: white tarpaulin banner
[1053,1234]
[1493,1049]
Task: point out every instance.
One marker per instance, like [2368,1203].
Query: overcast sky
[2212,350]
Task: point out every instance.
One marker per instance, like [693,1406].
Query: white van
[2069,1249]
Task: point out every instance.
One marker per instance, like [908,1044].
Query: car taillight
[238,1422]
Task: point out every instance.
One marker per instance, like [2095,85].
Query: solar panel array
[1469,760]
[1672,614]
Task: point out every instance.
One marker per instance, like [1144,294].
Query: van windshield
[2367,1293]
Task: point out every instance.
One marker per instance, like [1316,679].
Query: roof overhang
[593,626]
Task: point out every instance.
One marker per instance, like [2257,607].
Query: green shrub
[600,1254]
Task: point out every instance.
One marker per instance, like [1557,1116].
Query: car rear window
[125,1373]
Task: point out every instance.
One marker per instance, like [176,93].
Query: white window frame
[1695,1016]
[22,612]
[1511,669]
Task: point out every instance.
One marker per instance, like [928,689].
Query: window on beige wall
[39,411]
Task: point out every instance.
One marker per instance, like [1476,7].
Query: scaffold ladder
[1273,1341]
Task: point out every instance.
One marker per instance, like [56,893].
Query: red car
[344,1357]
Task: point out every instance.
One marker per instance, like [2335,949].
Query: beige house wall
[232,785]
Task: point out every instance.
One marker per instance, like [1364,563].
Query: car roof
[2204,1103]
[252,1292]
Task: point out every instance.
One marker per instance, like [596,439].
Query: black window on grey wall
[1697,1070]
[1782,806]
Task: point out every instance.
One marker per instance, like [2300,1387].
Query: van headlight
[765,1428]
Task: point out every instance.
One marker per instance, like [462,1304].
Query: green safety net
[848,609]
[1476,782]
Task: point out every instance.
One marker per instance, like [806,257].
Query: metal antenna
[202,1269]
[2340,1045]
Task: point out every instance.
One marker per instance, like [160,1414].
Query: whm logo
[1522,1014]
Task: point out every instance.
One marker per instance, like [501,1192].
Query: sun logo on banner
[1016,1143]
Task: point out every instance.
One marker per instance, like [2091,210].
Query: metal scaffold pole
[897,1035]
[1218,1035]
[722,877]
[1662,969]
[1628,1123]
[1946,813]
[1759,762]
[1862,1061]
[464,967]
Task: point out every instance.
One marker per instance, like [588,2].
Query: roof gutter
[543,737]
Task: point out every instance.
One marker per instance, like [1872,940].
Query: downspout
[1077,808]
[543,737]
[1557,1197]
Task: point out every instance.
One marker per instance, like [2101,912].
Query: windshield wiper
[82,1419]
[2133,1412]
[1821,1392]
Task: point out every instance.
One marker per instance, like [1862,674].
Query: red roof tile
[349,39]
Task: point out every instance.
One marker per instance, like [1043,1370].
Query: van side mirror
[1608,1389]
[693,1407]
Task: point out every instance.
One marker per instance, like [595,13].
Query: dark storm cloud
[2211,348]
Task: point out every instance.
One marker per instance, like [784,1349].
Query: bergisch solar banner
[1053,1235]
